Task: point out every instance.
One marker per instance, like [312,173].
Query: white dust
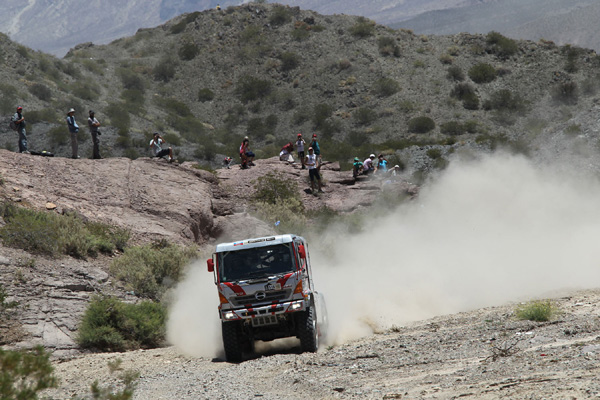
[485,232]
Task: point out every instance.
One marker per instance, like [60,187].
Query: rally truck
[266,292]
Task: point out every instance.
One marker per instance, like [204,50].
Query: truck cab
[266,292]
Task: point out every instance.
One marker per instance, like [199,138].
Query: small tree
[421,124]
[24,373]
[482,73]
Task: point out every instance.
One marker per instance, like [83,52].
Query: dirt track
[466,355]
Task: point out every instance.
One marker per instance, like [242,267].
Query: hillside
[561,22]
[207,79]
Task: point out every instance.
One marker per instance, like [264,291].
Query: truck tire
[307,330]
[232,341]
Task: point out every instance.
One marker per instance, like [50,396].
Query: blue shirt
[73,127]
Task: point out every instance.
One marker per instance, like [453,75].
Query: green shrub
[538,311]
[47,115]
[235,115]
[250,88]
[280,15]
[482,73]
[502,46]
[134,98]
[289,61]
[566,93]
[462,90]
[505,100]
[258,129]
[172,138]
[365,116]
[24,373]
[252,35]
[300,32]
[388,47]
[272,187]
[58,136]
[434,154]
[53,234]
[130,79]
[173,106]
[151,269]
[321,112]
[108,324]
[188,51]
[205,94]
[386,87]
[165,70]
[446,59]
[119,116]
[85,91]
[421,124]
[471,102]
[452,128]
[363,28]
[41,91]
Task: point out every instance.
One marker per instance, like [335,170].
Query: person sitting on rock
[286,152]
[356,168]
[156,145]
[368,166]
[246,156]
[381,165]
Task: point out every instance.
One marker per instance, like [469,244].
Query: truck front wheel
[307,330]
[232,340]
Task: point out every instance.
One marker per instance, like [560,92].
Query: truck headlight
[296,306]
[229,315]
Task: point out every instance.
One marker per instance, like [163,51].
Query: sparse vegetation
[421,124]
[250,88]
[151,269]
[109,324]
[25,373]
[566,93]
[502,46]
[386,87]
[388,46]
[363,28]
[538,311]
[482,73]
[53,234]
[280,15]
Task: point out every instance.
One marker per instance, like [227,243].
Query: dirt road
[483,354]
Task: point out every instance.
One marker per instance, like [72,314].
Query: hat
[299,134]
[396,166]
[356,159]
[91,112]
[19,108]
[314,135]
[246,138]
[71,110]
[372,156]
[156,133]
[310,148]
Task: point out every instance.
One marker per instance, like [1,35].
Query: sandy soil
[482,354]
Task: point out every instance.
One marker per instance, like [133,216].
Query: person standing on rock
[156,145]
[73,130]
[94,125]
[317,149]
[19,122]
[300,148]
[313,170]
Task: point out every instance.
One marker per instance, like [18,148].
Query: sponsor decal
[238,243]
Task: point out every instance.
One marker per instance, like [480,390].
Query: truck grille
[270,298]
[263,321]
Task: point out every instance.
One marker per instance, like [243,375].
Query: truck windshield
[256,263]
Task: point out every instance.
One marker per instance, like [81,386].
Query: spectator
[313,170]
[300,147]
[73,130]
[19,122]
[246,155]
[317,149]
[395,171]
[286,152]
[381,165]
[94,125]
[368,167]
[356,168]
[156,145]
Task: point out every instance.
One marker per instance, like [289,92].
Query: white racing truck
[266,292]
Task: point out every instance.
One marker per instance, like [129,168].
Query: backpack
[12,125]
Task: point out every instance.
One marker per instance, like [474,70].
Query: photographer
[94,124]
[156,145]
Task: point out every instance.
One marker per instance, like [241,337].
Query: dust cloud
[485,232]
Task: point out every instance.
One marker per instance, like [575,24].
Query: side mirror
[211,265]
[302,251]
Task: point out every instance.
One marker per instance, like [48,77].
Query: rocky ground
[482,354]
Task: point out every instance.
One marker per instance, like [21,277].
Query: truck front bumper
[262,311]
